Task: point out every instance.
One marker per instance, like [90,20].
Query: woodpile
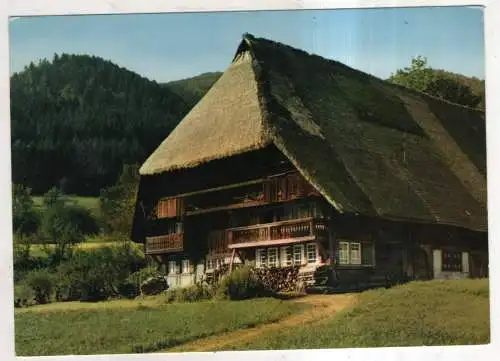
[284,279]
[215,276]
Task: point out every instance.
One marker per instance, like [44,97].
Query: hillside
[453,87]
[193,89]
[77,119]
[476,85]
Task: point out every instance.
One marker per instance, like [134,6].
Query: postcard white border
[61,7]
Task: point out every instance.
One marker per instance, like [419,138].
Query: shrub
[25,218]
[193,293]
[42,284]
[23,295]
[65,224]
[138,277]
[240,284]
[99,273]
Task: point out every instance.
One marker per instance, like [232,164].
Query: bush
[99,273]
[65,224]
[42,284]
[138,277]
[241,284]
[23,295]
[193,293]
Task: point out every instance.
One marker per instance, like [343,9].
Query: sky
[165,47]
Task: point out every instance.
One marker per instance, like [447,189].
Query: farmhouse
[293,159]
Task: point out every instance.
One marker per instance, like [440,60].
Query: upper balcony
[164,244]
[274,189]
[277,233]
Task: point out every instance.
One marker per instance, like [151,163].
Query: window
[352,253]
[260,257]
[343,253]
[172,267]
[355,253]
[297,254]
[286,256]
[452,261]
[272,257]
[186,266]
[311,253]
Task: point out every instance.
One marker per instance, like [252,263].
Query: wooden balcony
[164,244]
[277,233]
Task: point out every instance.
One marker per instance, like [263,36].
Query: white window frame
[186,266]
[286,258]
[311,253]
[298,250]
[343,257]
[355,254]
[272,253]
[260,257]
[173,267]
[350,253]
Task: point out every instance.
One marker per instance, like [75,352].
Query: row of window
[215,263]
[286,256]
[348,253]
[175,268]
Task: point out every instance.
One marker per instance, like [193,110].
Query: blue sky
[166,47]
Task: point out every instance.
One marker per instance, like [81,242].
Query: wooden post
[232,260]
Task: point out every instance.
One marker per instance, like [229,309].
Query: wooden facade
[273,217]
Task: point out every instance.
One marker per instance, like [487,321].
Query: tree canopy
[456,88]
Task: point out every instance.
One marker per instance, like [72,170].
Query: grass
[135,326]
[37,250]
[90,203]
[416,314]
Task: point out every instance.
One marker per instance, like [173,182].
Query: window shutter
[367,249]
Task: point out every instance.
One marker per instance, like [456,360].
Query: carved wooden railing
[164,244]
[306,228]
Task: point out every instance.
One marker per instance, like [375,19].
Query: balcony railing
[165,244]
[292,231]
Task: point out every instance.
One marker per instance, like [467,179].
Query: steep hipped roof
[369,147]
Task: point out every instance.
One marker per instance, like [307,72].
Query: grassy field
[416,314]
[135,326]
[37,250]
[91,203]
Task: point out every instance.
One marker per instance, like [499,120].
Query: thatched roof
[369,147]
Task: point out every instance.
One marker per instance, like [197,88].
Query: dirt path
[322,306]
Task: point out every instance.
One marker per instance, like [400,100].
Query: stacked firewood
[278,279]
[215,276]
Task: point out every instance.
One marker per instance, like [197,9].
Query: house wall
[439,273]
[471,246]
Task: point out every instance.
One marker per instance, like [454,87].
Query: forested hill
[193,89]
[77,119]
